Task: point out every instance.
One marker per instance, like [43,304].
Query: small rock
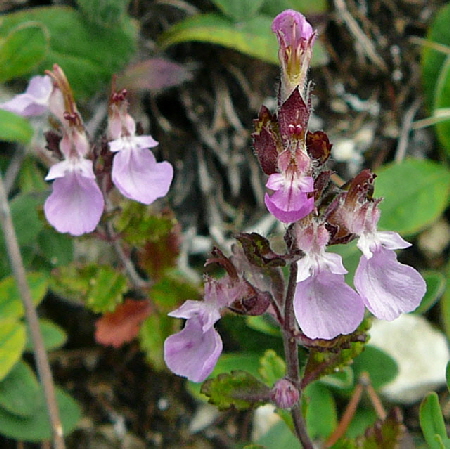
[421,353]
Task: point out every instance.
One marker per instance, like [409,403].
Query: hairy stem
[291,355]
[40,354]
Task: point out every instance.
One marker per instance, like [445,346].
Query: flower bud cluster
[77,202]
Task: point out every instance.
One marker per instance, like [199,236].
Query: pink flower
[35,99]
[135,172]
[295,37]
[193,352]
[76,202]
[290,200]
[324,305]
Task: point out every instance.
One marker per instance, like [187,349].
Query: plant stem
[291,355]
[40,354]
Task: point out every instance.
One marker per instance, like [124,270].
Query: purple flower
[76,202]
[295,37]
[324,305]
[290,200]
[193,352]
[135,172]
[34,101]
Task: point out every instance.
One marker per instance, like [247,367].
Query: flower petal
[35,99]
[191,352]
[207,313]
[325,306]
[289,211]
[75,204]
[138,176]
[388,287]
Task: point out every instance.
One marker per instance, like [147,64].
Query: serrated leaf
[431,420]
[22,49]
[442,101]
[14,128]
[415,192]
[10,302]
[321,414]
[19,391]
[12,345]
[237,389]
[88,54]
[253,37]
[36,427]
[436,283]
[272,367]
[54,336]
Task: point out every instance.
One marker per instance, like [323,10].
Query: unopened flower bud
[284,394]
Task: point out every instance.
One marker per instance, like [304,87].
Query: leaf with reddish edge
[293,117]
[237,389]
[266,141]
[122,325]
[153,74]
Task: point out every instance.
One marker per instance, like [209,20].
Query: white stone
[421,352]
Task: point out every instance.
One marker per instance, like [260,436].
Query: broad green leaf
[381,367]
[306,7]
[53,335]
[363,418]
[31,177]
[87,53]
[14,128]
[321,414]
[239,10]
[272,367]
[415,192]
[19,391]
[384,434]
[342,380]
[253,37]
[10,302]
[433,58]
[237,389]
[436,284]
[37,426]
[442,101]
[55,247]
[12,343]
[279,436]
[22,49]
[432,421]
[104,13]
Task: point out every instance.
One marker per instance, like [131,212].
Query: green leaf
[104,13]
[19,391]
[10,302]
[55,248]
[14,128]
[154,330]
[431,420]
[432,58]
[88,54]
[272,367]
[252,37]
[53,335]
[342,380]
[31,177]
[442,101]
[384,434]
[381,367]
[22,49]
[239,10]
[306,7]
[279,436]
[237,389]
[447,375]
[261,323]
[415,192]
[436,284]
[321,414]
[12,344]
[37,426]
